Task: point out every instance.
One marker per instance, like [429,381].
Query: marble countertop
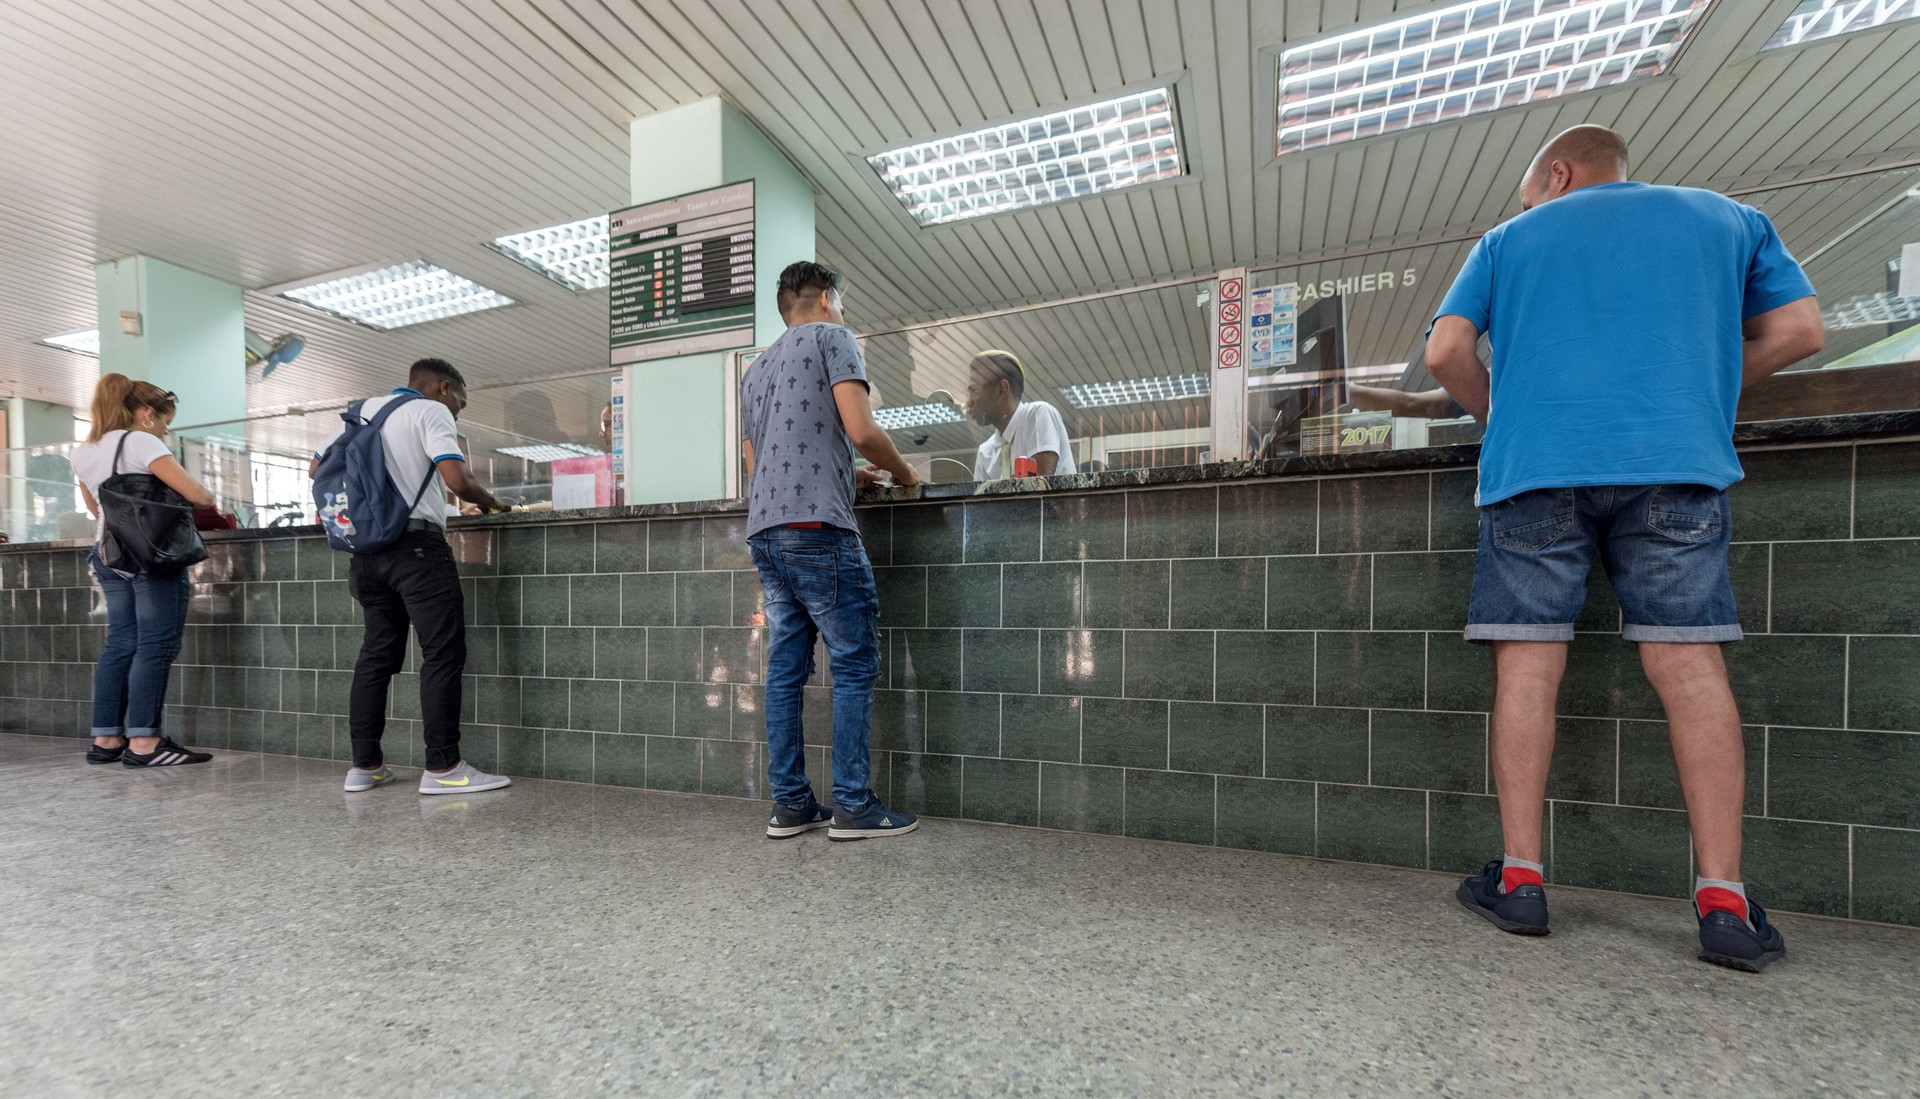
[1816,429]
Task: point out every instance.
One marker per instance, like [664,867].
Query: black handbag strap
[113,469]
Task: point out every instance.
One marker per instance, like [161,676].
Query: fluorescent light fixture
[85,342]
[917,415]
[1172,387]
[1471,58]
[548,452]
[1048,158]
[1814,20]
[573,255]
[393,297]
[1870,310]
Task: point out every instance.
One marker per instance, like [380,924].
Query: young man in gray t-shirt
[804,408]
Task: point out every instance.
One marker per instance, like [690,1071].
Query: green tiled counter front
[1272,664]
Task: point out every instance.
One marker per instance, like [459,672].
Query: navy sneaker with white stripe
[167,754]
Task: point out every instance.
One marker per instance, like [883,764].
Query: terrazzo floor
[246,928]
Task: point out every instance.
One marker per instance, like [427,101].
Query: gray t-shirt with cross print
[802,459]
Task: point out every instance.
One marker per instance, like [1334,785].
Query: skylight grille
[1468,59]
[1171,387]
[394,297]
[1873,309]
[84,342]
[573,255]
[1814,20]
[916,415]
[548,452]
[1050,158]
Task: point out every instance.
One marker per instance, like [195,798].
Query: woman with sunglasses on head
[146,615]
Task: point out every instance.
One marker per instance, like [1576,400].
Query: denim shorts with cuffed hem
[1664,548]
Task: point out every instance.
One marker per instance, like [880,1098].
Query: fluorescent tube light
[1048,158]
[917,415]
[1814,20]
[1172,387]
[1470,58]
[1870,310]
[393,297]
[84,342]
[548,452]
[573,255]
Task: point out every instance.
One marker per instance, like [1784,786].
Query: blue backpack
[360,506]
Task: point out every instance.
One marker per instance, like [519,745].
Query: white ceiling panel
[261,141]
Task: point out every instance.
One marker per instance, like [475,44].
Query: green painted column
[677,442]
[191,337]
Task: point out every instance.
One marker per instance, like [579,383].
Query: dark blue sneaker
[97,754]
[875,820]
[1523,911]
[787,822]
[1725,939]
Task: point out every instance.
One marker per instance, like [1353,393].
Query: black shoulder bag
[147,527]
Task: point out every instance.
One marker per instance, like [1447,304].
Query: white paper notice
[573,490]
[1910,271]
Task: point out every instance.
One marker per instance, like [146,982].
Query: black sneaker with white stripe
[97,754]
[168,754]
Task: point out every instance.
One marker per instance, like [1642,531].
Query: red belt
[806,526]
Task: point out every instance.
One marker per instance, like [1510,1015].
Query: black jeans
[413,582]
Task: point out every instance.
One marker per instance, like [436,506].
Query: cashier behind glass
[1021,429]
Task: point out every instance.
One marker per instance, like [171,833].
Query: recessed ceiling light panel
[1053,157]
[1817,19]
[84,342]
[1471,58]
[393,297]
[1870,310]
[916,415]
[1171,387]
[573,255]
[548,452]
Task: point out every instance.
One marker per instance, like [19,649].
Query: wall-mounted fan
[265,356]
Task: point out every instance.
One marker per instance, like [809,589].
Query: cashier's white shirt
[1036,428]
[418,435]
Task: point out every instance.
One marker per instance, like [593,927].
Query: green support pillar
[184,332]
[677,442]
[191,336]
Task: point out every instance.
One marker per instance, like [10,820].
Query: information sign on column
[1272,313]
[682,275]
[1226,336]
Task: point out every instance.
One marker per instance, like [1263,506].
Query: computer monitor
[1321,364]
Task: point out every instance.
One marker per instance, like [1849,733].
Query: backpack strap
[380,419]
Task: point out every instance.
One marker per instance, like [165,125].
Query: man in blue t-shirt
[804,409]
[1624,320]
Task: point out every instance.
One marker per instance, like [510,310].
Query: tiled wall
[1269,665]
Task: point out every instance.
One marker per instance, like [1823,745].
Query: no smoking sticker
[1229,312]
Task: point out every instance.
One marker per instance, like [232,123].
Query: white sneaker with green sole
[464,779]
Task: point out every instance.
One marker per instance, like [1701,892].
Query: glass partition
[257,468]
[1128,374]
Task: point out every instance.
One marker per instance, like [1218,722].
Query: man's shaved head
[1580,157]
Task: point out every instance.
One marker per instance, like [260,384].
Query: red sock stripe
[1715,898]
[1513,877]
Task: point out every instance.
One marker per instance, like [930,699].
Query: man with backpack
[381,487]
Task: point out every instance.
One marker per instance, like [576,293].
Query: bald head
[1580,157]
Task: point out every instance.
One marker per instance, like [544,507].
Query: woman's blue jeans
[146,618]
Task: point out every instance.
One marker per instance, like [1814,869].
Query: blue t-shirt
[802,459]
[1615,316]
